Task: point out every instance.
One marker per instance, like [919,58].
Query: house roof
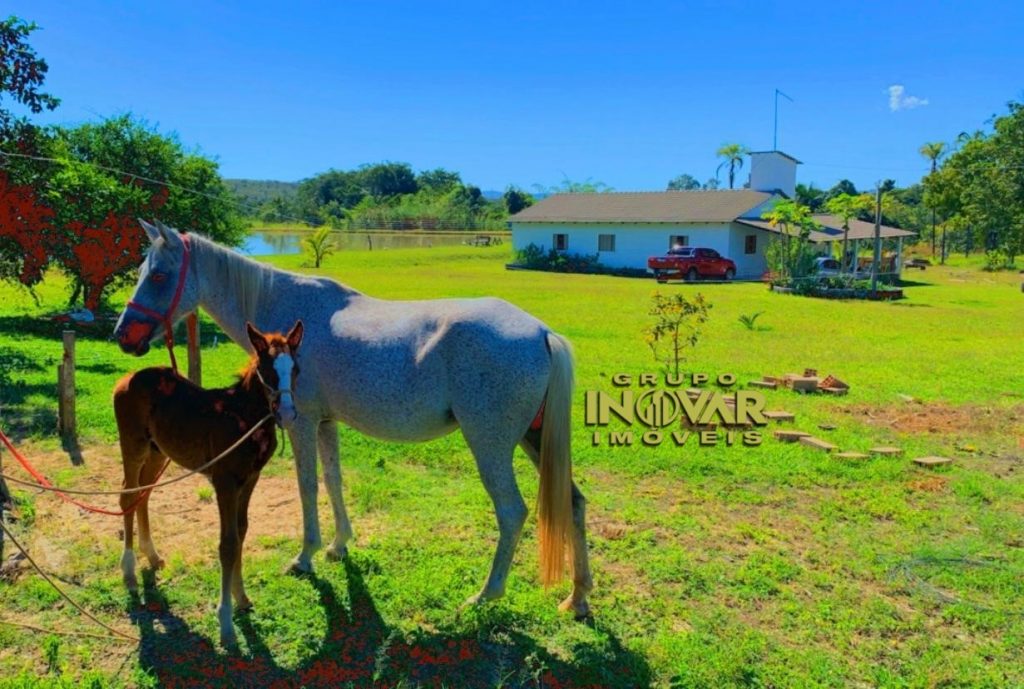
[784,155]
[814,236]
[860,229]
[643,207]
[832,229]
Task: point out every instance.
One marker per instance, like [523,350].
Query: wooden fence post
[66,421]
[5,499]
[195,364]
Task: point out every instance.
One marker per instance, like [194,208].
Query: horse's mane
[240,275]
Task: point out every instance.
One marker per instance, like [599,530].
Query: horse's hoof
[156,563]
[478,599]
[579,609]
[475,599]
[132,584]
[471,602]
[229,641]
[336,553]
[298,567]
[243,605]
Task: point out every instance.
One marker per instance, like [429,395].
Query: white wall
[770,170]
[635,243]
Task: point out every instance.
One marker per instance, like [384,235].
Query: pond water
[290,242]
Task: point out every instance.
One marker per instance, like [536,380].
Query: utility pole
[775,132]
[878,239]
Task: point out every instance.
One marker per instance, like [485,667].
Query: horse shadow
[360,649]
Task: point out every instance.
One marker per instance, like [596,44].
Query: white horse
[396,370]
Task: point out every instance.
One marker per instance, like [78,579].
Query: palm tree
[320,245]
[731,155]
[933,151]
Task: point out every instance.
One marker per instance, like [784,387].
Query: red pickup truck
[691,263]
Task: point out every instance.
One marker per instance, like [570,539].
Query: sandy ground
[182,522]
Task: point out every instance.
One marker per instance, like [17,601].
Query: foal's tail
[554,501]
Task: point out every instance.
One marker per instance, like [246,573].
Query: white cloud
[899,100]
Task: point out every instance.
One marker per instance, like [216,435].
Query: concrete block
[804,384]
[932,461]
[818,443]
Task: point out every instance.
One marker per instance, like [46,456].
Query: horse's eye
[158,277]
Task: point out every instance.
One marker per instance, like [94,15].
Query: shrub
[997,259]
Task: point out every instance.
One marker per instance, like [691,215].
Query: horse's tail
[554,500]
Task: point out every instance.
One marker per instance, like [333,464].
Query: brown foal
[162,415]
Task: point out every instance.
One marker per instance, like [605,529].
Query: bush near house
[535,257]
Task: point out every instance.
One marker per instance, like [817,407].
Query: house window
[606,242]
[750,246]
[678,240]
[560,242]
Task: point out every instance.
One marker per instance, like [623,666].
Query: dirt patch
[184,518]
[940,419]
[932,484]
[607,527]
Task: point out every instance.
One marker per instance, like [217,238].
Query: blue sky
[630,94]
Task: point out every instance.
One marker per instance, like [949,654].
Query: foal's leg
[582,582]
[303,434]
[150,469]
[327,436]
[494,461]
[131,480]
[134,450]
[227,504]
[242,601]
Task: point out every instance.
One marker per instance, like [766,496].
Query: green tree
[789,254]
[438,181]
[335,190]
[388,179]
[980,187]
[732,157]
[810,196]
[24,219]
[683,182]
[843,186]
[22,73]
[198,200]
[846,207]
[106,175]
[568,186]
[515,200]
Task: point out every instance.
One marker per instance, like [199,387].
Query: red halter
[165,318]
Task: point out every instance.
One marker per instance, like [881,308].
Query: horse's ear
[165,232]
[295,336]
[259,342]
[151,230]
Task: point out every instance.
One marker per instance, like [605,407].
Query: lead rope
[58,589]
[68,491]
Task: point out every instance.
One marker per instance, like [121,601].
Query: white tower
[773,171]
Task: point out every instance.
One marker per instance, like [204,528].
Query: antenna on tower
[775,132]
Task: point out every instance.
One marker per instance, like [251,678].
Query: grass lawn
[720,566]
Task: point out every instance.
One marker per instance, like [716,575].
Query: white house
[625,228]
